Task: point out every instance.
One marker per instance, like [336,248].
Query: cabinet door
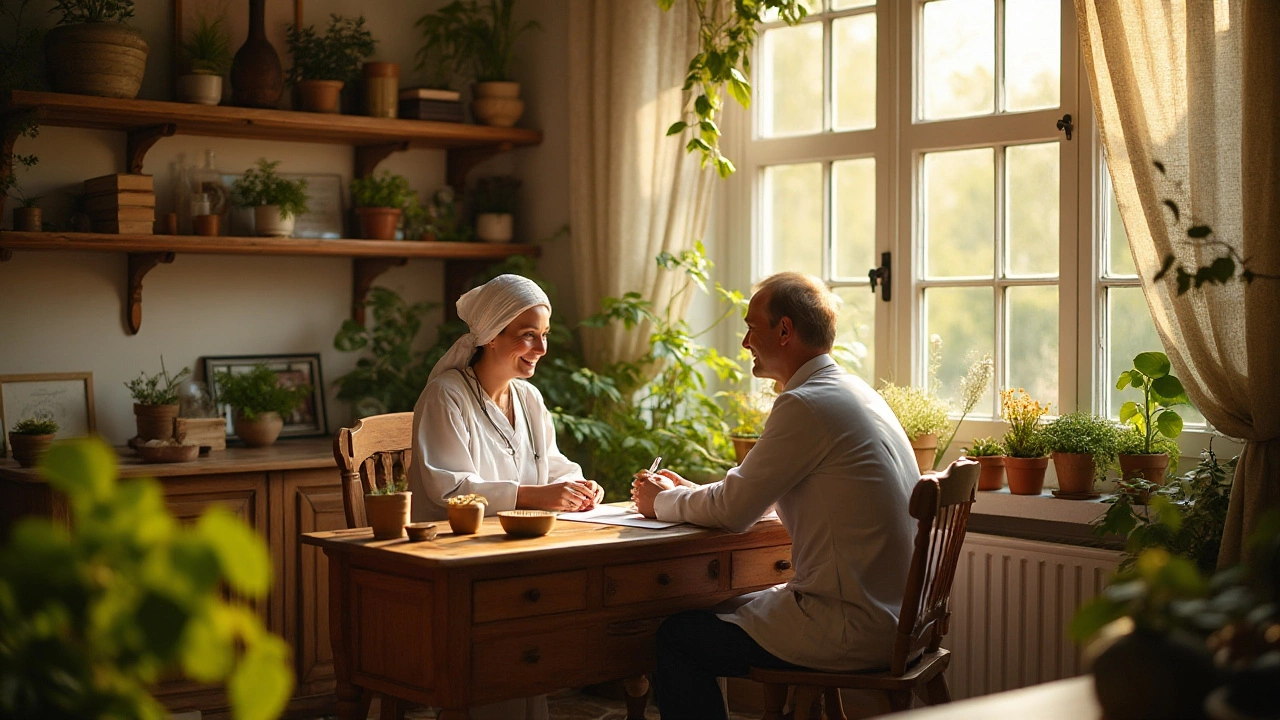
[312,501]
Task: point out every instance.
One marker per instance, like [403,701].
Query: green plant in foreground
[208,48]
[984,447]
[91,618]
[335,55]
[87,11]
[259,391]
[383,190]
[1161,392]
[158,389]
[36,426]
[261,185]
[1085,434]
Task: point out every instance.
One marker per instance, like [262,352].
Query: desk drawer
[546,594]
[761,566]
[662,579]
[529,661]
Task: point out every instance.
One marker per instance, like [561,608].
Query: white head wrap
[487,310]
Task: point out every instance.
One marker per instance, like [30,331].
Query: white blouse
[458,450]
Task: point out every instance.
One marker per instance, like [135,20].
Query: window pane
[1032,54]
[846,4]
[1120,258]
[792,86]
[1032,338]
[959,213]
[856,327]
[965,320]
[854,197]
[793,218]
[1130,331]
[1031,190]
[854,64]
[958,59]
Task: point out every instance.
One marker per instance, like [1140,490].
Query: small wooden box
[209,433]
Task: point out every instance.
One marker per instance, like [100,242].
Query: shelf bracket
[364,270]
[457,276]
[139,265]
[140,141]
[368,156]
[461,160]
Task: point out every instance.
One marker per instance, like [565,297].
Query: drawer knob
[783,565]
[664,579]
[531,656]
[713,569]
[532,595]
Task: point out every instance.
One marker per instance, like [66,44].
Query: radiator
[1011,604]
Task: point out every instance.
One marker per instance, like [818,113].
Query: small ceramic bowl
[421,531]
[527,523]
[168,453]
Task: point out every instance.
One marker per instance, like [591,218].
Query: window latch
[882,275]
[1066,125]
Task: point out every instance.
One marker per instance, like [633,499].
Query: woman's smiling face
[517,349]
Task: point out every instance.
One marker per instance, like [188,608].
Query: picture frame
[326,208]
[65,397]
[294,369]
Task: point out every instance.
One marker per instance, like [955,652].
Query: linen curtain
[633,191]
[1193,84]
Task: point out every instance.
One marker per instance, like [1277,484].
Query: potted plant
[474,38]
[1025,460]
[27,216]
[91,35]
[1138,464]
[748,411]
[466,512]
[990,455]
[206,55]
[155,402]
[438,219]
[923,416]
[30,438]
[276,202]
[1083,447]
[1153,417]
[322,64]
[387,508]
[258,403]
[493,201]
[379,201]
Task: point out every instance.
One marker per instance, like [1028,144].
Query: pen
[654,467]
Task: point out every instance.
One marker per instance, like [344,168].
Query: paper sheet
[615,515]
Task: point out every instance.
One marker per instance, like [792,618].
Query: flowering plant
[749,410]
[1024,439]
[920,411]
[468,499]
[973,386]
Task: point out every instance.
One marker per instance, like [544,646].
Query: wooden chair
[940,504]
[371,454]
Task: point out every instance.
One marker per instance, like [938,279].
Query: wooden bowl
[168,453]
[420,531]
[527,523]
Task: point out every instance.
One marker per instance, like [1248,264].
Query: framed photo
[326,208]
[67,398]
[306,421]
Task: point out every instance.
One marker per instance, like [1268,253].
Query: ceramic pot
[201,88]
[742,446]
[267,222]
[494,227]
[388,514]
[1026,475]
[27,449]
[155,422]
[497,103]
[260,432]
[257,79]
[465,519]
[319,95]
[1152,467]
[991,477]
[106,59]
[926,448]
[378,223]
[1075,472]
[27,219]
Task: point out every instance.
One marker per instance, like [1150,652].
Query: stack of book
[431,104]
[121,203]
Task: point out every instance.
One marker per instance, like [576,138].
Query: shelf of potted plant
[379,201]
[324,63]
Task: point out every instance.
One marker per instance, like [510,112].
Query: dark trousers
[695,648]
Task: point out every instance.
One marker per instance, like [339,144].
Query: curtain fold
[634,192]
[1193,85]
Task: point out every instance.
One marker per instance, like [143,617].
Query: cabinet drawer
[529,661]
[510,598]
[761,566]
[661,579]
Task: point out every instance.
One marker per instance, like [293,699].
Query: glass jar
[381,89]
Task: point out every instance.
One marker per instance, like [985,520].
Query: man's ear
[786,332]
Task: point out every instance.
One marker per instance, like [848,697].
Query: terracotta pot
[103,58]
[27,219]
[465,519]
[1026,475]
[267,222]
[742,446]
[494,227]
[201,88]
[155,422]
[257,79]
[378,223]
[1152,467]
[497,103]
[388,514]
[206,225]
[992,475]
[1075,472]
[926,447]
[27,449]
[319,95]
[260,432]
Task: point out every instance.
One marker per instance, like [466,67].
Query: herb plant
[748,411]
[158,389]
[398,484]
[262,186]
[1024,438]
[335,55]
[470,38]
[984,447]
[385,190]
[973,386]
[86,11]
[1131,441]
[495,194]
[208,48]
[1161,392]
[1085,434]
[919,411]
[36,426]
[259,391]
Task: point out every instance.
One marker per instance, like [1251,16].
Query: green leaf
[260,686]
[84,467]
[1169,424]
[161,620]
[1094,616]
[677,128]
[207,648]
[740,90]
[1170,389]
[241,553]
[1152,364]
[1126,377]
[702,106]
[1128,411]
[697,144]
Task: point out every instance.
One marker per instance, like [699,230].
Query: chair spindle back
[370,454]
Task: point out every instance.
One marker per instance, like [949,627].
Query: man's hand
[646,487]
[563,496]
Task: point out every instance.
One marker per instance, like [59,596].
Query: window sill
[1041,517]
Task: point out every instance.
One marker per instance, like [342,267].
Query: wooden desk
[474,619]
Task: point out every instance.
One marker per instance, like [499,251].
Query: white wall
[64,312]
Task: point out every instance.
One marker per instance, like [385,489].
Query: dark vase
[257,79]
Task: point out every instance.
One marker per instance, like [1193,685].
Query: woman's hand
[562,496]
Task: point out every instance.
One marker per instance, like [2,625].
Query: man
[835,462]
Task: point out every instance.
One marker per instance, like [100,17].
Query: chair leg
[637,689]
[805,701]
[937,690]
[899,700]
[835,708]
[775,696]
